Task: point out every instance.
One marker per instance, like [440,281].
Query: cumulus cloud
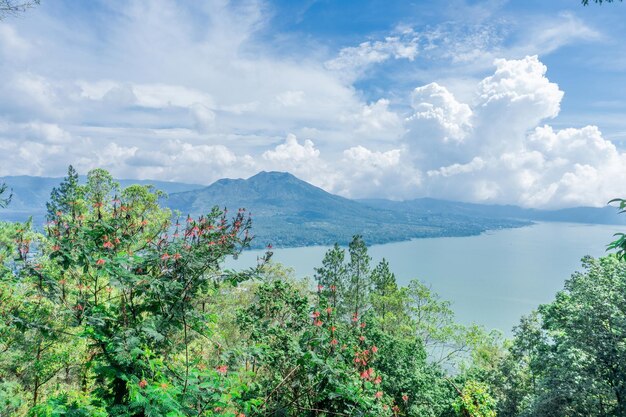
[388,173]
[375,121]
[507,158]
[215,100]
[439,114]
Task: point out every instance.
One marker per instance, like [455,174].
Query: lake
[491,279]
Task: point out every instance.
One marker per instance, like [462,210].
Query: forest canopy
[119,307]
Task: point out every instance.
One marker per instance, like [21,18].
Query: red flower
[378,380]
[374,349]
[334,342]
[315,314]
[165,257]
[176,256]
[318,323]
[100,262]
[361,338]
[405,397]
[333,288]
[56,248]
[363,325]
[378,394]
[107,245]
[320,287]
[329,310]
[222,369]
[143,383]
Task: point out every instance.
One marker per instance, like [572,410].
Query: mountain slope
[287,211]
[592,215]
[290,212]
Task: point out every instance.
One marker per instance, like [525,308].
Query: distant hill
[288,212]
[591,215]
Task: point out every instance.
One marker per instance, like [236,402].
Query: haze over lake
[491,279]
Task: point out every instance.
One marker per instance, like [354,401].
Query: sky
[495,101]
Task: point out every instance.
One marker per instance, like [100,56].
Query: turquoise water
[492,279]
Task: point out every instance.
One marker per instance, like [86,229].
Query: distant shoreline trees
[13,7]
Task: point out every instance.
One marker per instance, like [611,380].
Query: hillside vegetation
[120,309]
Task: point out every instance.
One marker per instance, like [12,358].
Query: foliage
[122,308]
[475,401]
[4,198]
[586,2]
[568,357]
[619,244]
[13,7]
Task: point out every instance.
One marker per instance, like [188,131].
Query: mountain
[287,211]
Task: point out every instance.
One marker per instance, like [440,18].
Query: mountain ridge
[288,211]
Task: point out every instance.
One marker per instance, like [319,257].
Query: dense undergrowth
[121,308]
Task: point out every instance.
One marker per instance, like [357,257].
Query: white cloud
[356,59]
[195,92]
[290,98]
[291,150]
[475,164]
[387,173]
[439,114]
[375,121]
[511,160]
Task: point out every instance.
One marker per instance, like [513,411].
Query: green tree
[13,7]
[586,2]
[110,304]
[67,197]
[619,244]
[4,198]
[359,276]
[569,358]
[332,279]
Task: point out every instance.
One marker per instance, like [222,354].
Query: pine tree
[4,198]
[385,285]
[66,196]
[331,277]
[359,274]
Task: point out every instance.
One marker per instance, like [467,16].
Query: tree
[4,198]
[571,354]
[619,244]
[110,303]
[331,278]
[359,276]
[12,7]
[586,2]
[66,197]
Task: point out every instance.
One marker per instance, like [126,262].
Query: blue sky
[489,101]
